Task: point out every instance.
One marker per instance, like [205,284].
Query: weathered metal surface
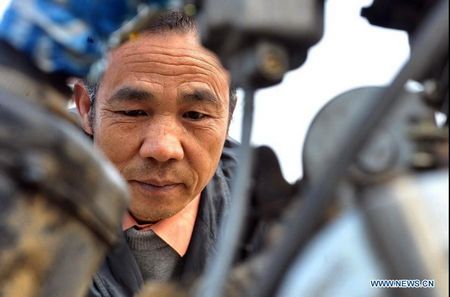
[61,203]
[48,252]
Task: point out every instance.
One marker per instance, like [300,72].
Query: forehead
[170,42]
[168,59]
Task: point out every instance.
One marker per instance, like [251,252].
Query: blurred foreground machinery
[61,203]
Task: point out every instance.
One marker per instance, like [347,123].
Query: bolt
[273,61]
[273,65]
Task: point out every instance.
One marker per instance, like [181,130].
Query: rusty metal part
[262,64]
[61,203]
[45,252]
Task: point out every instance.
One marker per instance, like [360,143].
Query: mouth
[155,187]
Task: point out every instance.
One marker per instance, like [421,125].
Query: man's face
[161,117]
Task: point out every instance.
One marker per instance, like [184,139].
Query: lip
[155,186]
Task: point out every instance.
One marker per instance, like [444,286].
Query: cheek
[116,144]
[205,153]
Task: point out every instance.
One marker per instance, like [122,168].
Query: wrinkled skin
[161,116]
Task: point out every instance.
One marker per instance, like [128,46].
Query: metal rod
[432,40]
[217,273]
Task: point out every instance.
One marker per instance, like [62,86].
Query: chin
[151,214]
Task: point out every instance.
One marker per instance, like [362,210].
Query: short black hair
[171,21]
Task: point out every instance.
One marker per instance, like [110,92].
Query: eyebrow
[139,95]
[131,94]
[201,95]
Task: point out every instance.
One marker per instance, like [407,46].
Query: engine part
[259,41]
[61,205]
[392,149]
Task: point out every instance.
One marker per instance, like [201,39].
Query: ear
[83,103]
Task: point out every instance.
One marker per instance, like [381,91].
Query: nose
[162,142]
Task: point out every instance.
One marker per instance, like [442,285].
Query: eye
[133,113]
[194,115]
